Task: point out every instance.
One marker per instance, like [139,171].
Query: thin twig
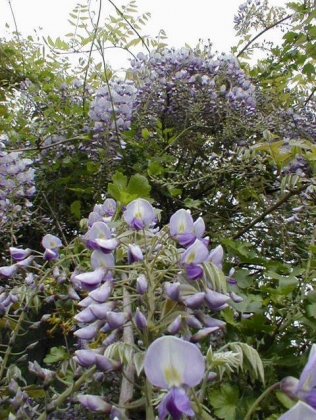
[130,25]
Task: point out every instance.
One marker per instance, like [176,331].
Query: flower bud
[140,320]
[94,403]
[200,335]
[141,284]
[175,325]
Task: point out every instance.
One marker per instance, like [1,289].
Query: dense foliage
[167,210]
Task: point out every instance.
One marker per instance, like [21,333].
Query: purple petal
[199,227]
[200,335]
[109,206]
[193,322]
[99,230]
[8,271]
[94,403]
[85,358]
[50,254]
[216,256]
[117,319]
[99,310]
[134,253]
[91,280]
[208,321]
[106,245]
[308,375]
[141,284]
[172,290]
[195,254]
[300,411]
[101,260]
[195,301]
[175,325]
[85,316]
[140,319]
[26,262]
[104,364]
[87,333]
[194,272]
[102,293]
[176,403]
[19,254]
[215,300]
[51,242]
[181,222]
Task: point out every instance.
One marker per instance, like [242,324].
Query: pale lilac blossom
[166,366]
[139,214]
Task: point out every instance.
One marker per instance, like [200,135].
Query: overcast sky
[184,21]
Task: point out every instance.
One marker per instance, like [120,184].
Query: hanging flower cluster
[187,88]
[160,287]
[16,187]
[158,276]
[112,108]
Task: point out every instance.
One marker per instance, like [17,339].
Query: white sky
[184,21]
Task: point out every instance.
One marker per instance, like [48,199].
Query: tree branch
[269,210]
[262,32]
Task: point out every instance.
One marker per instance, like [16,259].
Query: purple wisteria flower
[19,254]
[139,213]
[194,255]
[300,411]
[98,237]
[304,388]
[166,366]
[182,227]
[134,253]
[51,243]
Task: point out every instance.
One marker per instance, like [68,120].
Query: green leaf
[145,133]
[225,401]
[119,185]
[139,362]
[252,357]
[138,185]
[75,208]
[56,354]
[308,69]
[215,276]
[154,168]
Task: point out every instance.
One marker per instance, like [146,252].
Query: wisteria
[17,186]
[186,88]
[128,260]
[112,110]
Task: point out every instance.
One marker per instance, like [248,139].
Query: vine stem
[258,400]
[127,384]
[13,336]
[62,397]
